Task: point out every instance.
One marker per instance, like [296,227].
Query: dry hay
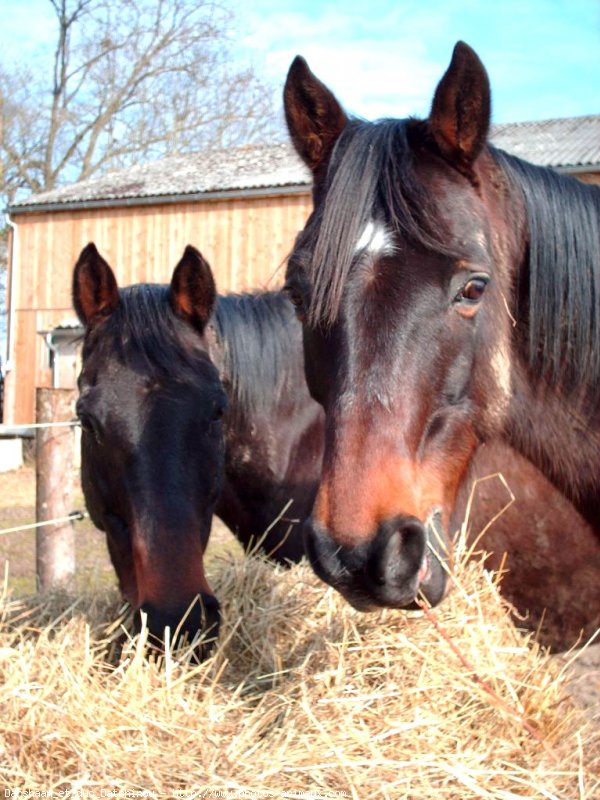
[303,698]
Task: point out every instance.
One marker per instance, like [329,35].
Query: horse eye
[218,412]
[473,290]
[89,425]
[295,298]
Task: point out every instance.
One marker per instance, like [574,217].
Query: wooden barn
[242,208]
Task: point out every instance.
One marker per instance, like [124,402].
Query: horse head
[150,406]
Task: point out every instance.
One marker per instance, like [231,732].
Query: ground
[17,562]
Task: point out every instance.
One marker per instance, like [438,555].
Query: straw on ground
[304,697]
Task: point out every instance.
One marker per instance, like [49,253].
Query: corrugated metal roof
[560,143]
[570,143]
[213,171]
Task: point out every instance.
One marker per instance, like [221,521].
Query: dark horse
[190,404]
[450,295]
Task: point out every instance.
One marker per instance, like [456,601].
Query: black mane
[145,334]
[563,283]
[260,340]
[259,337]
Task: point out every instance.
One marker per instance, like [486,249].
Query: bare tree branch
[130,80]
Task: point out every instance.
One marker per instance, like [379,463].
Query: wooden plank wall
[246,241]
[589,177]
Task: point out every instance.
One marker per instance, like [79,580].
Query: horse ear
[314,117]
[192,294]
[460,112]
[95,291]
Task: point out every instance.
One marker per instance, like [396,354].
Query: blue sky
[384,57]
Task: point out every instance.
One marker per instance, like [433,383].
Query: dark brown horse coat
[449,297]
[190,405]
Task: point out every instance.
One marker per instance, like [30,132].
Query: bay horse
[190,404]
[153,355]
[450,296]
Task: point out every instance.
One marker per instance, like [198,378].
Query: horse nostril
[401,551]
[413,536]
[323,553]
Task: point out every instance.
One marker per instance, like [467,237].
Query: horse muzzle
[195,626]
[400,563]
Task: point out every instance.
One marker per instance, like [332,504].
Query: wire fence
[74,516]
[72,423]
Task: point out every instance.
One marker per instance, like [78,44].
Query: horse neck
[555,220]
[554,415]
[561,439]
[257,347]
[271,416]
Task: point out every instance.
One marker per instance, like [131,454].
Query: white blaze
[375,239]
